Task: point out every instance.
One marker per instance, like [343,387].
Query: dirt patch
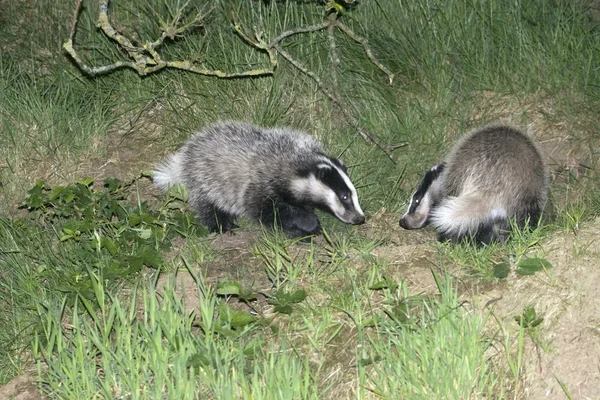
[22,387]
[234,261]
[567,348]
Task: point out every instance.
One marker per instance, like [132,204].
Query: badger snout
[352,218]
[404,223]
[358,220]
[414,220]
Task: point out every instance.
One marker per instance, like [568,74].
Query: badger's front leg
[295,221]
[298,221]
[215,219]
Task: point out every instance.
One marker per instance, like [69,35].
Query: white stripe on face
[350,186]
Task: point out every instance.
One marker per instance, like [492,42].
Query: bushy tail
[457,218]
[168,173]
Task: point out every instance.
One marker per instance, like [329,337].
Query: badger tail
[470,217]
[168,173]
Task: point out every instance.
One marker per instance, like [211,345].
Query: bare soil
[22,387]
[566,347]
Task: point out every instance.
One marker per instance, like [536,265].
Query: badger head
[424,199]
[327,186]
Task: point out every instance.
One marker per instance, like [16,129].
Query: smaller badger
[276,176]
[491,176]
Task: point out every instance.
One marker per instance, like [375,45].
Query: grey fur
[233,169]
[491,175]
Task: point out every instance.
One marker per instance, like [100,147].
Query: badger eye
[344,197]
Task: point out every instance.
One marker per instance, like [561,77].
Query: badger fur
[275,176]
[492,175]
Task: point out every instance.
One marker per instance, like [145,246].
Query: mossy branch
[145,58]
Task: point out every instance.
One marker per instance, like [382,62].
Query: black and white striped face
[329,188]
[422,201]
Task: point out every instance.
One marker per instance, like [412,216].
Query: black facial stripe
[339,164]
[428,179]
[332,178]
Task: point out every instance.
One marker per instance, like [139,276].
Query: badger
[276,176]
[492,176]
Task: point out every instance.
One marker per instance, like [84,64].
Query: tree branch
[365,43]
[146,59]
[367,136]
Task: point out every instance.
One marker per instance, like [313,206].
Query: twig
[301,29]
[365,44]
[333,94]
[335,59]
[366,135]
[145,58]
[75,19]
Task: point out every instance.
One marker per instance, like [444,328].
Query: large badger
[275,176]
[492,175]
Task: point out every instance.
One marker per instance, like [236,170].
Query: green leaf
[178,192]
[501,270]
[176,205]
[529,318]
[86,181]
[229,288]
[135,219]
[297,296]
[149,256]
[530,266]
[536,322]
[398,313]
[55,193]
[384,284]
[234,318]
[283,309]
[368,323]
[240,319]
[144,233]
[112,184]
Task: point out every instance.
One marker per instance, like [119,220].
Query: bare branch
[145,58]
[301,29]
[75,19]
[365,43]
[335,58]
[366,135]
[258,42]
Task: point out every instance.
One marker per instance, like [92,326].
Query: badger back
[492,175]
[236,166]
[501,162]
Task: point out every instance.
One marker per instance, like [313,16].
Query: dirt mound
[22,387]
[566,347]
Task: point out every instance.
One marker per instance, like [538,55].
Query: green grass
[457,65]
[431,351]
[157,349]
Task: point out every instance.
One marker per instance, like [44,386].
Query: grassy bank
[367,312]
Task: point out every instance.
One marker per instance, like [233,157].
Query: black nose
[403,223]
[360,220]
